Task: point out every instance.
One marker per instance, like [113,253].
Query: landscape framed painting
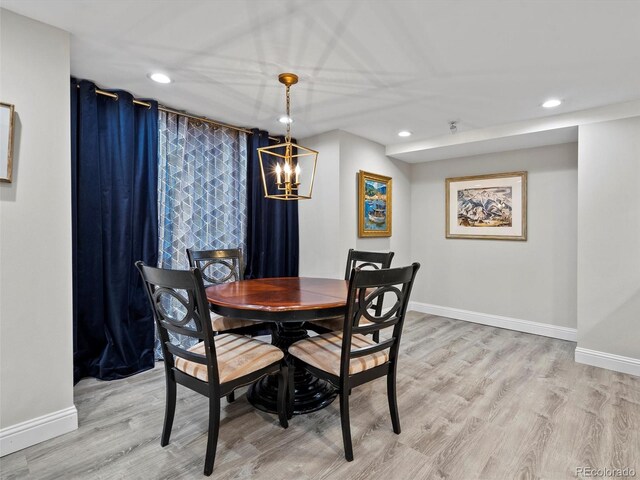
[374,205]
[490,207]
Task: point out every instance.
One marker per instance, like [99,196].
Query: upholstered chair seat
[223,324]
[323,352]
[237,356]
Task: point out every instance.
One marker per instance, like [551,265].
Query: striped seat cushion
[323,352]
[222,324]
[237,356]
[337,323]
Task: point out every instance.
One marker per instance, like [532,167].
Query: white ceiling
[368,67]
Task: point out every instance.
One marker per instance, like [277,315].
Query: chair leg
[346,427]
[231,397]
[169,411]
[212,440]
[291,385]
[393,401]
[283,395]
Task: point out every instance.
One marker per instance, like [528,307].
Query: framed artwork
[374,205]
[492,207]
[6,141]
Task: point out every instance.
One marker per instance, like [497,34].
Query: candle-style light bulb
[287,173]
[297,173]
[278,172]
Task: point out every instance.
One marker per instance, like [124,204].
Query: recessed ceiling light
[160,77]
[404,133]
[285,119]
[551,103]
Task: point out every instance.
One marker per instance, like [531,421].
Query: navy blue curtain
[272,232]
[115,223]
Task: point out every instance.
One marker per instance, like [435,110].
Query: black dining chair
[217,365]
[349,358]
[218,267]
[363,260]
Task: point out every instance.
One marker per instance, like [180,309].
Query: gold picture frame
[374,205]
[7,113]
[487,207]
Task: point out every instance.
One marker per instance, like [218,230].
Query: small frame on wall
[374,205]
[6,141]
[490,207]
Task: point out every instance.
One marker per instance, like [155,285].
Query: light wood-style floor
[475,402]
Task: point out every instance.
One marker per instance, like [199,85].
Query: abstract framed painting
[374,205]
[488,207]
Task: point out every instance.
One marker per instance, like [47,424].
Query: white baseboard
[526,326]
[36,430]
[617,363]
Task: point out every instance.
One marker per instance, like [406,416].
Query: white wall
[319,217]
[533,280]
[36,364]
[609,240]
[328,222]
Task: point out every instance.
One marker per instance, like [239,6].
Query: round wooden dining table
[286,302]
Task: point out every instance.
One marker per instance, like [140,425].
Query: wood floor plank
[475,402]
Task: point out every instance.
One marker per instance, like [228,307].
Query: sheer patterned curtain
[202,182]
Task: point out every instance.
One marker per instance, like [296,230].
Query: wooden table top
[285,294]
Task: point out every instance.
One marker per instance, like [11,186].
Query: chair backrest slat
[368,329]
[366,289]
[180,305]
[218,266]
[378,347]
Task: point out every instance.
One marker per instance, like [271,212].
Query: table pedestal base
[311,393]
